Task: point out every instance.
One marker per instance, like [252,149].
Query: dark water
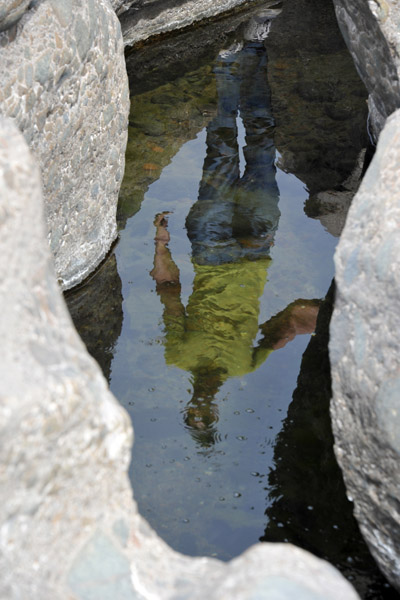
[204,319]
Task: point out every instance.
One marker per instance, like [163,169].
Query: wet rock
[65,448]
[364,353]
[371,32]
[142,19]
[181,53]
[65,85]
[11,11]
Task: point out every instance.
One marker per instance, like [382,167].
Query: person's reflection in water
[231,228]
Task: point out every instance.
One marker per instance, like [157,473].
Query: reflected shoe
[257,29]
[231,51]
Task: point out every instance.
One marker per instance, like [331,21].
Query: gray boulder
[69,526]
[365,350]
[64,83]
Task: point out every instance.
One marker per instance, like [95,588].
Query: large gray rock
[365,353]
[68,525]
[372,34]
[64,83]
[56,411]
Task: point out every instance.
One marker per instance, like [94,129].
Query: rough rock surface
[11,11]
[143,19]
[66,87]
[364,352]
[57,415]
[372,34]
[69,527]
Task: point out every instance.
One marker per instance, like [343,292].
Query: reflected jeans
[236,217]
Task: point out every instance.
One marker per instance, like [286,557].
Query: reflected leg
[256,208]
[209,222]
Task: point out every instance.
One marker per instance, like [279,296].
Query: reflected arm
[166,275]
[297,318]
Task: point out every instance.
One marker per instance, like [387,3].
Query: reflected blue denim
[236,217]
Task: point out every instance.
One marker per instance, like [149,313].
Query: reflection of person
[231,228]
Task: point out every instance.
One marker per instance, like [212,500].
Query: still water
[204,319]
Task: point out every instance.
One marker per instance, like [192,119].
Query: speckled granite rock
[365,351]
[65,86]
[371,31]
[69,527]
[11,11]
[142,19]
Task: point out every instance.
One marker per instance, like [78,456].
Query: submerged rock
[68,522]
[64,83]
[364,353]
